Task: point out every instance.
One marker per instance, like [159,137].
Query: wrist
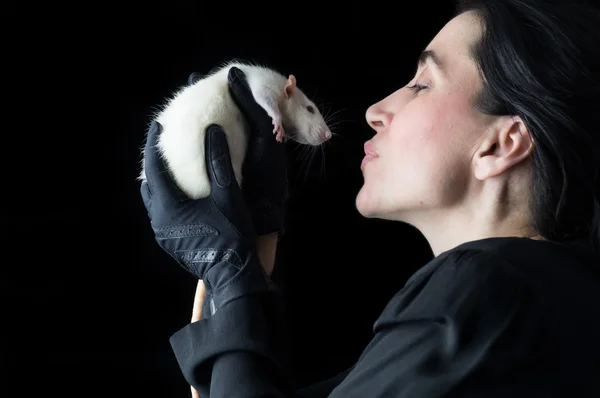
[266,246]
[230,280]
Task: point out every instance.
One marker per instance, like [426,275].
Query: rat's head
[301,118]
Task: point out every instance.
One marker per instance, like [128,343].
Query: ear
[506,143]
[290,86]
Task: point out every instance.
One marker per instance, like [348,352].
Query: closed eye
[417,87]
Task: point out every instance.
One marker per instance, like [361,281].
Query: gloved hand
[213,237]
[265,183]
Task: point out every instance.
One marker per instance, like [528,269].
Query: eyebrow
[430,55]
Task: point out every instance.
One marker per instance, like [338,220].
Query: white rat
[186,116]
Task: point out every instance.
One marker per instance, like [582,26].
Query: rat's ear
[290,86]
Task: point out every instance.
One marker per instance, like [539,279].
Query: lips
[369,150]
[370,154]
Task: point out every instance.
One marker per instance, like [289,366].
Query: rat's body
[208,101]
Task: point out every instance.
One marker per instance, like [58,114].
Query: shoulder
[465,266]
[498,275]
[458,283]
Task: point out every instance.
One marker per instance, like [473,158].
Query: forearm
[246,375]
[249,374]
[266,247]
[251,330]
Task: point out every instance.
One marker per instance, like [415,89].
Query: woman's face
[425,139]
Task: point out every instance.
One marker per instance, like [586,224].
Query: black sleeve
[432,335]
[322,389]
[242,351]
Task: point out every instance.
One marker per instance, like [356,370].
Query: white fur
[192,109]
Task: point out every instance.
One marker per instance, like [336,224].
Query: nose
[325,136]
[377,117]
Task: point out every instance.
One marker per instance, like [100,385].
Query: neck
[445,233]
[489,215]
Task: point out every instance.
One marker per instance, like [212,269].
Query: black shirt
[497,317]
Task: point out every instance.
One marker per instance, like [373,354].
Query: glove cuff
[250,279]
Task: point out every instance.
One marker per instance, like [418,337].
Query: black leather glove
[265,183]
[213,237]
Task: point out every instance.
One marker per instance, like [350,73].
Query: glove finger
[243,97]
[218,159]
[157,174]
[225,191]
[194,77]
[261,141]
[146,195]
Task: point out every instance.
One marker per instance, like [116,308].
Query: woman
[501,122]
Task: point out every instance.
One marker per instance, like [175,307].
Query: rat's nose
[325,136]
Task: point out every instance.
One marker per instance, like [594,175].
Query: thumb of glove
[225,190]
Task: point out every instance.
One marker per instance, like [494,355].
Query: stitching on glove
[185,231]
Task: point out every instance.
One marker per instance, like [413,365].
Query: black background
[89,299]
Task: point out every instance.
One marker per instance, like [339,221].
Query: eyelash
[417,87]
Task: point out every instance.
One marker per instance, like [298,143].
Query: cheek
[412,132]
[431,126]
[425,148]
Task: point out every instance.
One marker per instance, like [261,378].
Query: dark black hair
[540,60]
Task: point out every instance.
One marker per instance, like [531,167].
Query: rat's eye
[310,109]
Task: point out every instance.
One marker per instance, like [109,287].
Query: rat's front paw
[278,129]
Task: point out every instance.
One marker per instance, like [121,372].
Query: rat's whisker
[323,173]
[330,116]
[307,160]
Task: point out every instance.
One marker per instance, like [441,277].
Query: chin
[371,206]
[365,205]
